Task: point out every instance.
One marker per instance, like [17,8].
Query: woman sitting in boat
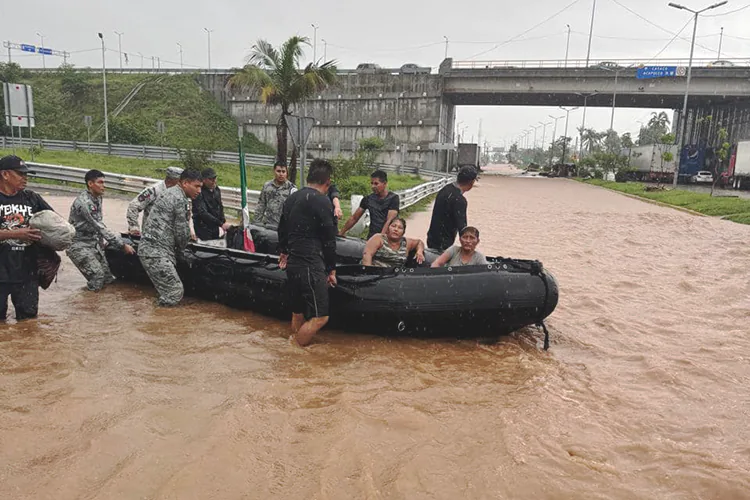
[464,255]
[392,249]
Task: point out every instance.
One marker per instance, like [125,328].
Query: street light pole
[583,122]
[446,47]
[544,133]
[104,78]
[554,133]
[325,49]
[141,59]
[591,33]
[44,63]
[567,119]
[680,144]
[721,39]
[567,46]
[208,32]
[180,46]
[315,43]
[119,46]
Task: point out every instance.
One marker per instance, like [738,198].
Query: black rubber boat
[460,302]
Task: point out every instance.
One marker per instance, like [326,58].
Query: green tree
[276,74]
[627,140]
[74,84]
[592,140]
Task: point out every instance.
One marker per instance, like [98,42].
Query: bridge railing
[594,63]
[232,197]
[159,153]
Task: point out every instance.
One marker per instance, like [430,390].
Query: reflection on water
[642,395]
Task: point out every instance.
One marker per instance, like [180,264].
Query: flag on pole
[247,237]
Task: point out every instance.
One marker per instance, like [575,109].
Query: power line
[571,4]
[672,40]
[639,39]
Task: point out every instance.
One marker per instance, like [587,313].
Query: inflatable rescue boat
[459,302]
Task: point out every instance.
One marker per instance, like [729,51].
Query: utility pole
[44,63]
[684,118]
[315,43]
[446,47]
[180,46]
[591,33]
[119,46]
[721,39]
[104,78]
[208,31]
[567,46]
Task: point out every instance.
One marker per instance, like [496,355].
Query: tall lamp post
[544,133]
[583,121]
[180,46]
[567,119]
[119,45]
[567,46]
[315,43]
[104,79]
[44,64]
[554,133]
[681,140]
[208,32]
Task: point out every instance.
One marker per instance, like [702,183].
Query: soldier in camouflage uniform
[272,198]
[166,235]
[87,252]
[146,198]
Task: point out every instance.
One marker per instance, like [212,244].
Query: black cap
[208,173]
[12,162]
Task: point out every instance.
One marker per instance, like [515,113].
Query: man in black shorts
[449,211]
[307,241]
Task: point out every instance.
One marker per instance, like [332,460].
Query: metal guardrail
[593,64]
[159,153]
[232,197]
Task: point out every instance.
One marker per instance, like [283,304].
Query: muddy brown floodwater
[643,394]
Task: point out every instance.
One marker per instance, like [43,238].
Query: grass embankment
[730,208]
[192,117]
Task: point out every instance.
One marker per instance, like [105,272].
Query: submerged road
[642,395]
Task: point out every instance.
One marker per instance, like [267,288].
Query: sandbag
[57,233]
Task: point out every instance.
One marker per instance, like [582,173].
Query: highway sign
[658,72]
[44,51]
[28,48]
[19,105]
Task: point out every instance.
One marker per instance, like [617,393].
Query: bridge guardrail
[159,153]
[232,197]
[593,64]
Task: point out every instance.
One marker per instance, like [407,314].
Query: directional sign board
[299,128]
[19,105]
[45,51]
[647,72]
[28,48]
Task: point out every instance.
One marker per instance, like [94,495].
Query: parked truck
[468,155]
[648,163]
[739,166]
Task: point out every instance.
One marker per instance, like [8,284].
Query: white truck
[739,166]
[649,164]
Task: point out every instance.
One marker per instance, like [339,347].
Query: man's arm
[443,259]
[393,207]
[221,206]
[138,205]
[260,208]
[99,226]
[460,213]
[352,220]
[327,232]
[181,226]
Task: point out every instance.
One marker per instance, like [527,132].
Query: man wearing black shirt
[382,204]
[449,212]
[307,241]
[208,209]
[18,268]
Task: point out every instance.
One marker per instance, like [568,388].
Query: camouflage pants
[163,275]
[93,265]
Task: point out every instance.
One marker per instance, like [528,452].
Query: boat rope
[539,271]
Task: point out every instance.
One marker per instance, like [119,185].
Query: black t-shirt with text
[379,208]
[307,232]
[18,258]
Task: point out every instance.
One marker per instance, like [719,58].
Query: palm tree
[591,139]
[276,74]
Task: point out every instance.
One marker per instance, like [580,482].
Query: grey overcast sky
[387,32]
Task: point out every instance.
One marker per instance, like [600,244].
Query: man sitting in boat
[464,255]
[392,249]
